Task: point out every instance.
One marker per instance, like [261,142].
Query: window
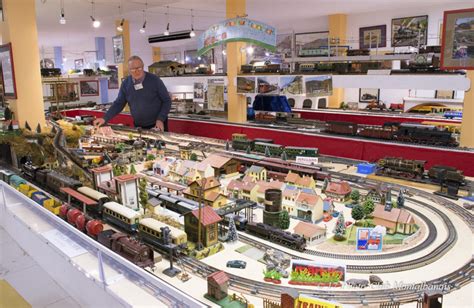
[322,103]
[212,232]
[307,103]
[292,102]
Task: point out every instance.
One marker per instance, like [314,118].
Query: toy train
[276,235]
[405,132]
[49,179]
[240,142]
[415,169]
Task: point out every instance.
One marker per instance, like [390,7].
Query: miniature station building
[396,220]
[312,233]
[339,191]
[218,285]
[209,221]
[210,191]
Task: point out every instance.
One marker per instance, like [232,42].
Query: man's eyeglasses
[137,69]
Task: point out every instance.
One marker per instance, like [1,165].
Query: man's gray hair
[132,58]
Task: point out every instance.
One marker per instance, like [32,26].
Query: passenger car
[236,264]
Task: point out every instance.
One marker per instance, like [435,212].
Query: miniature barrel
[273,200]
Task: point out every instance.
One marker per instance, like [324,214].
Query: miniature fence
[411,237]
[270,304]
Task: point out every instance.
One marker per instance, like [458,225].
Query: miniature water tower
[271,213]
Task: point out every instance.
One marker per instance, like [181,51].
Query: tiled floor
[28,278]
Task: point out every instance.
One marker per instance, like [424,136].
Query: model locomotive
[276,235]
[50,179]
[240,142]
[405,132]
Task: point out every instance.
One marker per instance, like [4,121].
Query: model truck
[127,247]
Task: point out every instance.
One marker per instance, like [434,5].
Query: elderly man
[146,95]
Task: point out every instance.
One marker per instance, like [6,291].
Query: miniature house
[300,181]
[309,207]
[210,192]
[396,220]
[312,233]
[209,220]
[127,190]
[339,191]
[222,165]
[257,173]
[217,285]
[101,174]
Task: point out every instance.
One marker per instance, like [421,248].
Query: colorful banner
[237,30]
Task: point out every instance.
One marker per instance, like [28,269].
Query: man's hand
[98,122]
[160,126]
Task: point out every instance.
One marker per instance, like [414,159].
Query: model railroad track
[65,153]
[400,294]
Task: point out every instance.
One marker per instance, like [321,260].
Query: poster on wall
[89,87]
[198,92]
[368,95]
[8,71]
[291,85]
[113,82]
[311,44]
[268,85]
[373,37]
[215,94]
[457,50]
[284,43]
[409,31]
[117,42]
[369,239]
[245,85]
[318,85]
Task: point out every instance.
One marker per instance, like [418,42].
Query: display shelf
[90,272]
[381,57]
[360,149]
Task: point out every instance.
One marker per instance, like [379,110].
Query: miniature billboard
[369,239]
[311,273]
[237,30]
[308,301]
[307,160]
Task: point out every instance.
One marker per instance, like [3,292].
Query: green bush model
[357,213]
[324,277]
[368,207]
[272,276]
[284,220]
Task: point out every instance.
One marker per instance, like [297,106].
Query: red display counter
[367,117]
[368,150]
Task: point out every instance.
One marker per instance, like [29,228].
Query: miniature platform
[360,149]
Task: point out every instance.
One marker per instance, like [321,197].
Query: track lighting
[250,50]
[192,33]
[224,52]
[142,29]
[120,27]
[62,20]
[167,31]
[95,23]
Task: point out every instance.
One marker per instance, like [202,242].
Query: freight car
[276,235]
[129,248]
[75,217]
[440,174]
[341,128]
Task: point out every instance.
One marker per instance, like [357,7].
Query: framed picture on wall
[368,95]
[8,71]
[89,87]
[117,47]
[409,31]
[113,82]
[444,94]
[457,49]
[79,64]
[373,37]
[312,44]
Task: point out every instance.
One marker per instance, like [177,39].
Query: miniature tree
[267,152]
[27,126]
[284,220]
[150,157]
[143,193]
[340,228]
[232,235]
[357,213]
[193,157]
[10,126]
[400,199]
[355,195]
[368,207]
[38,129]
[158,145]
[284,156]
[325,185]
[130,136]
[248,150]
[120,147]
[116,170]
[227,146]
[132,169]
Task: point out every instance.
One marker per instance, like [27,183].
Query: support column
[467,125]
[236,104]
[155,54]
[100,59]
[20,29]
[337,35]
[58,57]
[123,67]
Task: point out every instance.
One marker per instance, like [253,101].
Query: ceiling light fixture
[95,23]
[224,52]
[167,31]
[120,27]
[62,20]
[192,33]
[250,50]
[142,29]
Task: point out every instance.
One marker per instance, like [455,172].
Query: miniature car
[236,264]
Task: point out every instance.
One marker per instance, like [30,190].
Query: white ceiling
[279,13]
